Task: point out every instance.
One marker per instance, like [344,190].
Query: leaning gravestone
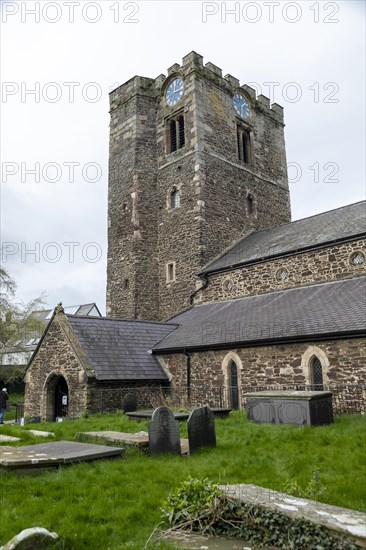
[130,403]
[164,436]
[201,429]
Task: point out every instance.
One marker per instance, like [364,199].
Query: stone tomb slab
[348,524]
[40,433]
[302,408]
[201,429]
[46,455]
[8,439]
[164,434]
[140,439]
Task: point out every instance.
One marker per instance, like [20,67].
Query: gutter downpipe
[203,287]
[188,373]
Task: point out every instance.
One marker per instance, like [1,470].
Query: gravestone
[201,429]
[130,402]
[164,436]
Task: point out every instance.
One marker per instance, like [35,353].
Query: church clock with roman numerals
[174,92]
[241,105]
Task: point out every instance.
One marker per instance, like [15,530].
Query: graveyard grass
[115,504]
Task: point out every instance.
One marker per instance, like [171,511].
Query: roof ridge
[303,219]
[104,318]
[241,252]
[278,291]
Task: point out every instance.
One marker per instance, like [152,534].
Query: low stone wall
[109,398]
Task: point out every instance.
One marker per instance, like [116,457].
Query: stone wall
[132,269]
[318,266]
[343,362]
[54,358]
[104,397]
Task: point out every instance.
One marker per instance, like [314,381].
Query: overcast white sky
[73,53]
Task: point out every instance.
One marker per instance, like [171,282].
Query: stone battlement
[193,62]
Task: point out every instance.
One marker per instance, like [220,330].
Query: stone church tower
[196,162]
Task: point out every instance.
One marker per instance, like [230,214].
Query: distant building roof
[313,232]
[120,349]
[83,309]
[317,311]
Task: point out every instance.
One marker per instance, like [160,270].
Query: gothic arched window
[316,372]
[234,386]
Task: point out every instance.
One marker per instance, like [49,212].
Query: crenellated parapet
[193,63]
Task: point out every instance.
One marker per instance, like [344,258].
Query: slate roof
[317,311]
[119,349]
[82,310]
[328,227]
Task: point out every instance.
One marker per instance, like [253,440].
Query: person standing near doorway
[3,399]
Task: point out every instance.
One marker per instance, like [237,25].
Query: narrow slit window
[170,272]
[250,205]
[175,199]
[126,284]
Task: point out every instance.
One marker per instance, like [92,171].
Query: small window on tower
[170,272]
[250,205]
[251,208]
[175,131]
[126,284]
[175,199]
[244,144]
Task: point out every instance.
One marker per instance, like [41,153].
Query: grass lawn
[114,504]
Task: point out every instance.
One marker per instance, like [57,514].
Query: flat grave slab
[54,454]
[193,541]
[184,446]
[349,524]
[141,439]
[8,439]
[39,433]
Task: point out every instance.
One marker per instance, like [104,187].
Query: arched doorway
[234,387]
[61,397]
[57,397]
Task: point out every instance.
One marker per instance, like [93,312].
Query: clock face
[174,92]
[241,105]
